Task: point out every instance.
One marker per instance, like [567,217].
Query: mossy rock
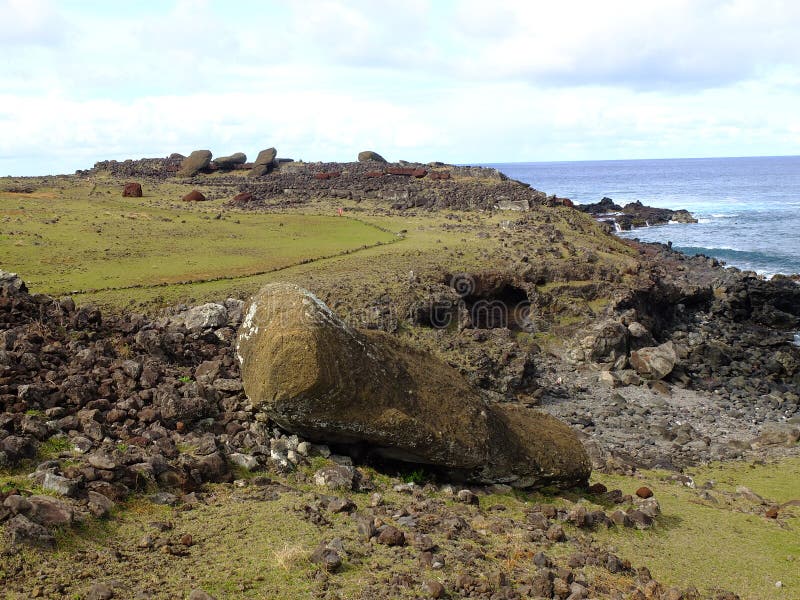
[196,161]
[316,376]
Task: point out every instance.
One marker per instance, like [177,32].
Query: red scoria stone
[132,190]
[194,196]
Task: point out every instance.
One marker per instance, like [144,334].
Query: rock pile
[110,405]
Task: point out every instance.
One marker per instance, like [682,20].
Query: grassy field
[67,241]
[722,539]
[82,238]
[252,543]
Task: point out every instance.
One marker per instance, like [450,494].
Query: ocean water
[748,208]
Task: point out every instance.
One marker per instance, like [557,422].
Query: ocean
[748,208]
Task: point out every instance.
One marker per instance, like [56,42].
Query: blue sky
[469,81]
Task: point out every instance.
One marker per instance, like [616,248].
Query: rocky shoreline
[634,214]
[660,361]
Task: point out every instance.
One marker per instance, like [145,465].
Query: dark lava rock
[391,536]
[227,163]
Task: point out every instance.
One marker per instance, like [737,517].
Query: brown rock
[132,190]
[227,163]
[404,171]
[331,175]
[433,589]
[772,512]
[264,163]
[100,591]
[368,155]
[391,536]
[318,377]
[194,163]
[644,492]
[243,198]
[194,196]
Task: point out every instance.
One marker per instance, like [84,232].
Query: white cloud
[461,81]
[30,22]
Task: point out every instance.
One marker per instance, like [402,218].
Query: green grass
[66,240]
[728,544]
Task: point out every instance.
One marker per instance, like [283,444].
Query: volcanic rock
[227,163]
[654,362]
[368,155]
[243,198]
[317,377]
[132,190]
[264,162]
[197,161]
[194,196]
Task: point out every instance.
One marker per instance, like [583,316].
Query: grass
[70,241]
[729,543]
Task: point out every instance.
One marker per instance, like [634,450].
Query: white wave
[796,341]
[724,215]
[703,220]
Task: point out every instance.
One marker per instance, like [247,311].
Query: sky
[458,81]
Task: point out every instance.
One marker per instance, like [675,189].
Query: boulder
[226,163]
[264,163]
[50,512]
[368,155]
[21,530]
[196,162]
[194,196]
[316,376]
[132,190]
[243,198]
[606,342]
[205,316]
[654,362]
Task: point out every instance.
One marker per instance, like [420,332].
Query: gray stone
[200,595]
[369,155]
[197,160]
[245,461]
[654,362]
[21,530]
[201,317]
[59,485]
[100,591]
[264,163]
[17,504]
[338,477]
[99,505]
[229,162]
